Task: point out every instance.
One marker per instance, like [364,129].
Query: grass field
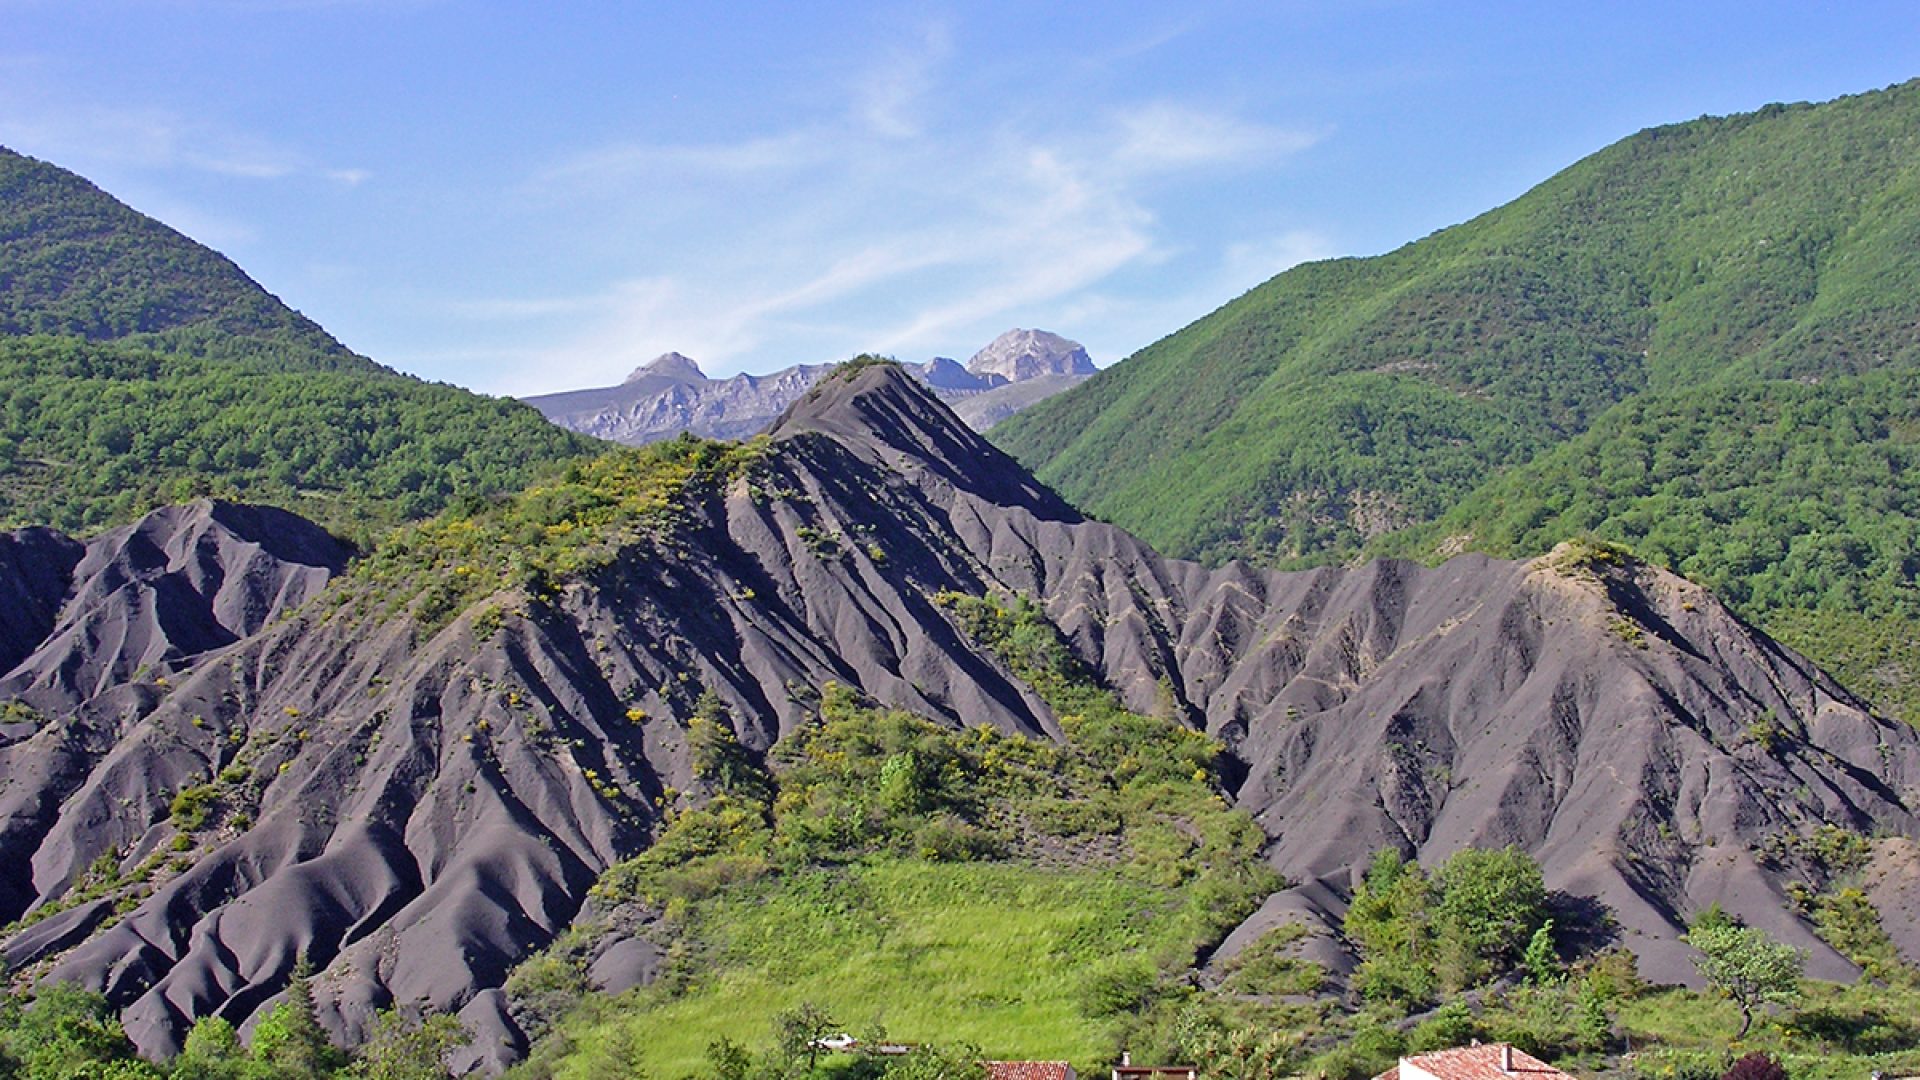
[1001,956]
[1833,1032]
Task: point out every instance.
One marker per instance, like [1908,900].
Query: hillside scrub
[1470,921]
[94,434]
[566,525]
[60,1031]
[894,869]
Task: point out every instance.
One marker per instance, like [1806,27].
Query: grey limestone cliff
[670,394]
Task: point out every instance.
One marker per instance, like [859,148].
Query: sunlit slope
[1346,399]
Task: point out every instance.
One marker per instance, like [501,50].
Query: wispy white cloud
[894,225]
[152,138]
[890,95]
[1058,231]
[1250,263]
[1163,135]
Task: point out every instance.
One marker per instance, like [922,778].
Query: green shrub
[1118,986]
[190,806]
[1451,1025]
[1663,1064]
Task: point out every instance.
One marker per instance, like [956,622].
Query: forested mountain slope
[74,261]
[138,367]
[1750,277]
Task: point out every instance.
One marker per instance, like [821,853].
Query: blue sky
[519,197]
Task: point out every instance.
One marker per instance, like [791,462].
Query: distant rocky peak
[1018,355]
[671,366]
[944,374]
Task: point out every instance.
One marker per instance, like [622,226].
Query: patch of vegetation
[62,1031]
[820,542]
[1028,897]
[1832,1031]
[190,806]
[1270,965]
[1826,853]
[1003,955]
[849,370]
[1828,863]
[557,529]
[1848,921]
[92,434]
[1470,921]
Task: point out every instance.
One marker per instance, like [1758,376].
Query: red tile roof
[1477,1063]
[1028,1070]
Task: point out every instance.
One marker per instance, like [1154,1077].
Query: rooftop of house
[1028,1070]
[1491,1061]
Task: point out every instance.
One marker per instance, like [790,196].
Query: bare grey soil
[416,811]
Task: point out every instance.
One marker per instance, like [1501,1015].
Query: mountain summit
[670,365]
[670,394]
[81,263]
[1019,355]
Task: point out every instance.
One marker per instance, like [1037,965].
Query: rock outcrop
[416,805]
[670,394]
[1020,355]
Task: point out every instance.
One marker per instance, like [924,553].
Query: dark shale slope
[220,778]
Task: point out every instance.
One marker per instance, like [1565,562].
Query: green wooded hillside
[75,261]
[138,368]
[1699,341]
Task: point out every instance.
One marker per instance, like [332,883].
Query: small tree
[1592,1023]
[289,1039]
[797,1034]
[1391,921]
[1745,964]
[728,1060]
[1452,1024]
[1541,960]
[1491,902]
[617,1057]
[717,753]
[403,1048]
[212,1052]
